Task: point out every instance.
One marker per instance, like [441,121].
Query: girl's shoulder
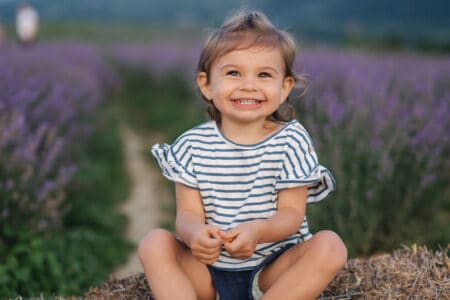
[296,135]
[295,128]
[206,129]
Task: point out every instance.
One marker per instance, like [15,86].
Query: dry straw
[408,273]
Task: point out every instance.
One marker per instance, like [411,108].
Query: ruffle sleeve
[301,167]
[175,163]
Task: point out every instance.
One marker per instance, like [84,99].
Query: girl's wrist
[259,228]
[192,231]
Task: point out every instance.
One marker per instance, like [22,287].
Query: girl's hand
[205,244]
[241,241]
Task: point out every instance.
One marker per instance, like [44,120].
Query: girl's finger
[229,236]
[211,242]
[207,258]
[214,232]
[210,250]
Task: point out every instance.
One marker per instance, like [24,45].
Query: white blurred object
[27,23]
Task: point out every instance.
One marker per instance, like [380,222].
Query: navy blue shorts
[241,285]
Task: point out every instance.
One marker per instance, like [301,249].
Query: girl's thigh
[310,254]
[197,272]
[160,252]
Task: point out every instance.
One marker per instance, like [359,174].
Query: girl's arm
[288,218]
[285,222]
[203,240]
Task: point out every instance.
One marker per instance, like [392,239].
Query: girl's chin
[244,119]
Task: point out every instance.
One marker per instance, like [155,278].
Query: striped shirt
[240,183]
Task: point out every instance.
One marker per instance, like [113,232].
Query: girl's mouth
[249,102]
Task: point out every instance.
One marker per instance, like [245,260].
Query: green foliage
[164,104]
[395,42]
[89,243]
[100,183]
[374,215]
[65,263]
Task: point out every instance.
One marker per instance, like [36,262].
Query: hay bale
[408,273]
[133,287]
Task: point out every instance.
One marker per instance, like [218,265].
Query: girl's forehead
[246,41]
[271,55]
[257,49]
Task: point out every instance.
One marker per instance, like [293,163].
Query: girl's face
[247,85]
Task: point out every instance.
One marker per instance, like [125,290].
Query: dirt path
[143,207]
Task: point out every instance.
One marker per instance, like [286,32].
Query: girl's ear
[203,84]
[288,84]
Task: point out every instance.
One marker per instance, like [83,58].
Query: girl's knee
[155,244]
[332,248]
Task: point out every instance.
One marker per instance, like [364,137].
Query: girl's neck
[248,134]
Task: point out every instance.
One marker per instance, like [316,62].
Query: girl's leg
[304,270]
[171,270]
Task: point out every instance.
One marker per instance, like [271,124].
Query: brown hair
[244,30]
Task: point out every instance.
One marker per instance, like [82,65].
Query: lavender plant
[381,123]
[60,164]
[157,59]
[158,80]
[49,95]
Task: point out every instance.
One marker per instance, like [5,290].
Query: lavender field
[382,124]
[380,121]
[52,96]
[49,97]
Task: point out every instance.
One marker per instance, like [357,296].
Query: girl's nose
[248,83]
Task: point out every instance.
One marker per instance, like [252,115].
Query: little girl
[243,180]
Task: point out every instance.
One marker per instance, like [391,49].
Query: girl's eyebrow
[270,68]
[261,68]
[228,66]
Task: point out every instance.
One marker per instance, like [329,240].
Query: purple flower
[48,95]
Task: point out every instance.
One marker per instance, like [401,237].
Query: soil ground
[144,207]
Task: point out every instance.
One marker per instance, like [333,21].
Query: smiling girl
[243,181]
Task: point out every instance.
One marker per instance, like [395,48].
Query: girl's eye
[265,75]
[233,73]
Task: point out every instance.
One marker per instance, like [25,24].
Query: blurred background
[73,74]
[411,24]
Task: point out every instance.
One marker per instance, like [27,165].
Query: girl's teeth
[246,101]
